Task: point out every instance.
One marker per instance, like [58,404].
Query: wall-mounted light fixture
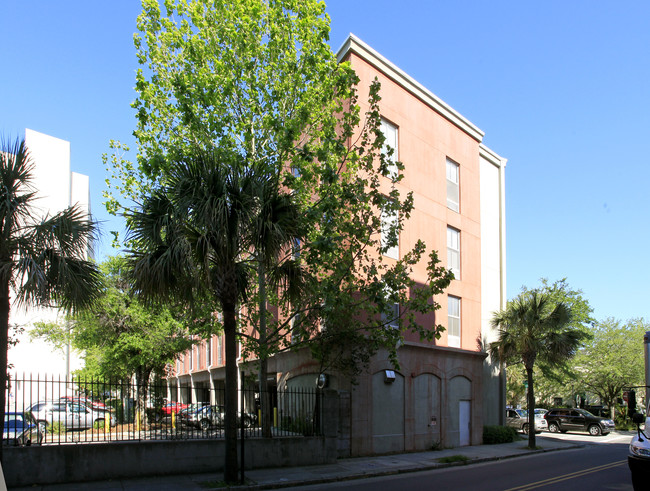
[389,376]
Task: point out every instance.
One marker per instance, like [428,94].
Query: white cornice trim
[354,44]
[491,156]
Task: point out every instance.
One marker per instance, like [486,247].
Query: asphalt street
[601,464]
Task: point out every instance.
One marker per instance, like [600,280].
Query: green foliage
[99,424]
[118,409]
[120,335]
[561,292]
[56,428]
[298,425]
[534,327]
[243,113]
[556,380]
[451,459]
[270,96]
[622,420]
[499,434]
[58,336]
[436,445]
[612,359]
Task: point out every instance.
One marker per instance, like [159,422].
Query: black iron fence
[79,410]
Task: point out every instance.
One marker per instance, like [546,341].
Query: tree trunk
[4,347]
[263,372]
[142,381]
[531,408]
[230,333]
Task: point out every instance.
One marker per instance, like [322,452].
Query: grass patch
[453,458]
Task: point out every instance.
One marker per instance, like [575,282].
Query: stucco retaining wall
[25,466]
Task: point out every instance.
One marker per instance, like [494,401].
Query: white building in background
[57,188]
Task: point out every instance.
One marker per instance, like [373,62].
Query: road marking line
[565,477]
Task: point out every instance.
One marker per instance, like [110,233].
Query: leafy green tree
[237,96]
[122,337]
[42,260]
[613,359]
[532,329]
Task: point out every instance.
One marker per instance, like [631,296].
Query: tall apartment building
[56,188]
[445,391]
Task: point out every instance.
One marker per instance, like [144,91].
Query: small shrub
[453,458]
[436,445]
[625,425]
[99,424]
[302,426]
[56,428]
[499,434]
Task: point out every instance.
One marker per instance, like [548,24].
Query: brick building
[445,391]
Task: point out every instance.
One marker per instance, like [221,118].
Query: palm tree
[196,239]
[42,260]
[533,329]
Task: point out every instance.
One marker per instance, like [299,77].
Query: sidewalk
[344,469]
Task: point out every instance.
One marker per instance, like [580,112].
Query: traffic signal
[631,403]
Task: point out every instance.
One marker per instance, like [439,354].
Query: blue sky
[560,88]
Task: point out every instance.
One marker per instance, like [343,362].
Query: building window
[208,347]
[391,319]
[296,336]
[192,358]
[219,350]
[453,321]
[453,251]
[389,234]
[453,182]
[390,133]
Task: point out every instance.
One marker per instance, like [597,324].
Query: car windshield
[522,412]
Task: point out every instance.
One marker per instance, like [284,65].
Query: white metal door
[464,422]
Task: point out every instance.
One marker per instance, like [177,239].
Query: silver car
[206,417]
[73,415]
[518,419]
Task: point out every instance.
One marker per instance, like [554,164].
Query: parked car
[518,419]
[576,419]
[86,401]
[206,417]
[71,414]
[172,407]
[21,429]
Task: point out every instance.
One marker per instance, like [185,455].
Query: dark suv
[576,419]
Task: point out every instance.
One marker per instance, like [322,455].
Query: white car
[72,415]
